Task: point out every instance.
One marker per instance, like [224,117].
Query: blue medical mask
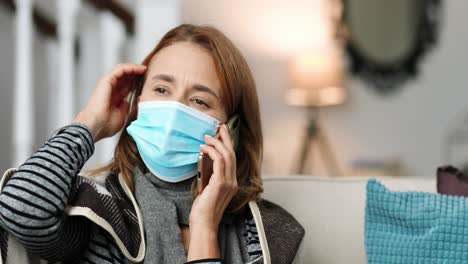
[168,135]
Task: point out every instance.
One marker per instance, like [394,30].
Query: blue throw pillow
[415,227]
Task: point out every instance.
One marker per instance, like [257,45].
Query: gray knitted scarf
[165,207]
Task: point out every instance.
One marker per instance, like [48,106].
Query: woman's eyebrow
[164,77]
[197,86]
[203,88]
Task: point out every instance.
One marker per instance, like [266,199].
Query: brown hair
[239,97]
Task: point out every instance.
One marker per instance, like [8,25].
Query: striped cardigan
[49,212]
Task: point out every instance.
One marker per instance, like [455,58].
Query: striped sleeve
[33,201]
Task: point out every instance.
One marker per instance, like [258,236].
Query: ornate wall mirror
[386,40]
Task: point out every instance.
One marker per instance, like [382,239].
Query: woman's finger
[118,95]
[218,163]
[218,179]
[124,69]
[226,155]
[127,68]
[230,176]
[123,108]
[226,140]
[120,81]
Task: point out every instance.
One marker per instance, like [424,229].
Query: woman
[140,208]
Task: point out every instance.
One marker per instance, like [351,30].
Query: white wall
[413,123]
[409,125]
[152,20]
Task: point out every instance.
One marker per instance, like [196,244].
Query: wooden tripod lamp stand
[316,81]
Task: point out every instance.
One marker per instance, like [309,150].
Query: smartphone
[205,163]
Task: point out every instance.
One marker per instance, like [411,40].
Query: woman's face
[186,73]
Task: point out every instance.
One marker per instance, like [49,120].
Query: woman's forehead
[185,60]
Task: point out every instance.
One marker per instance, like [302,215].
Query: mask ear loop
[134,103]
[131,107]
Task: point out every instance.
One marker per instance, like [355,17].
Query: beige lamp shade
[316,79]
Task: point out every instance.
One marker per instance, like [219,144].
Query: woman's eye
[200,102]
[160,90]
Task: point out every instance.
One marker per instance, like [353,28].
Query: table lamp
[316,81]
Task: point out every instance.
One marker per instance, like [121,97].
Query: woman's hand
[209,206]
[105,113]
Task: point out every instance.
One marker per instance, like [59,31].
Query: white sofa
[332,210]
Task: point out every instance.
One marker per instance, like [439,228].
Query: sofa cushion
[415,227]
[331,209]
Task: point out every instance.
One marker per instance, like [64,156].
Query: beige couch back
[332,211]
